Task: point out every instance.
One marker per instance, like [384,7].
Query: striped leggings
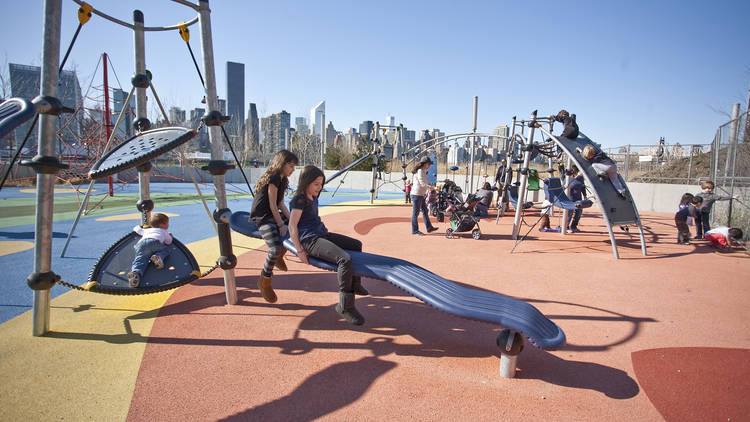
[270,233]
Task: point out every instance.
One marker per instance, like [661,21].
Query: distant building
[456,155]
[125,130]
[24,83]
[300,123]
[351,138]
[235,97]
[252,129]
[316,114]
[276,131]
[365,127]
[501,141]
[222,105]
[176,115]
[330,134]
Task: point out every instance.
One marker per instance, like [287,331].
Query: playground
[642,331]
[613,320]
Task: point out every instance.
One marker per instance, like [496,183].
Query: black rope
[195,62]
[134,292]
[527,233]
[70,47]
[18,152]
[226,138]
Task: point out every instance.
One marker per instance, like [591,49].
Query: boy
[546,211]
[577,193]
[709,197]
[680,220]
[153,247]
[722,237]
[604,167]
[570,127]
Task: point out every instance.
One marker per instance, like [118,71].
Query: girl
[604,167]
[311,237]
[269,199]
[420,187]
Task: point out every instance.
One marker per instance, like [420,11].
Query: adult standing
[420,187]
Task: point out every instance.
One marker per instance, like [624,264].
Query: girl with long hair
[311,237]
[269,200]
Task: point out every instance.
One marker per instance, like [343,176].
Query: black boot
[346,308]
[357,287]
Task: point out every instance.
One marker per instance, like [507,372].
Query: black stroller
[448,194]
[462,218]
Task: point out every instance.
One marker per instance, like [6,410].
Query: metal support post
[473,146]
[45,180]
[217,151]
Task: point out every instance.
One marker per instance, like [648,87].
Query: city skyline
[632,73]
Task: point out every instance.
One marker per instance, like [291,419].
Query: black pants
[331,248]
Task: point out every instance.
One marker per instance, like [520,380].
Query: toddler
[153,247]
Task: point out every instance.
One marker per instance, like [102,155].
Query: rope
[87,287]
[239,165]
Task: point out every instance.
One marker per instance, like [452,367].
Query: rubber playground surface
[660,337]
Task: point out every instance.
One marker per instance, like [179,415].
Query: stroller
[462,218]
[448,194]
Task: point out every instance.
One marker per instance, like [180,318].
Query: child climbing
[604,166]
[153,247]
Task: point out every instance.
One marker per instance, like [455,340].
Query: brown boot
[280,264]
[264,284]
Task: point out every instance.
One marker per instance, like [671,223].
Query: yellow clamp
[184,31]
[89,285]
[84,13]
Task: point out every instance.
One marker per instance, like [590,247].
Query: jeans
[331,248]
[144,249]
[418,204]
[574,217]
[702,224]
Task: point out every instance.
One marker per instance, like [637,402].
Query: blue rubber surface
[93,237]
[438,292]
[13,113]
[554,192]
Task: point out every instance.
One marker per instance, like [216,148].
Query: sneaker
[418,233]
[697,238]
[431,229]
[576,230]
[569,231]
[158,263]
[134,279]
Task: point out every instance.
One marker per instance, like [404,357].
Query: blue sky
[632,71]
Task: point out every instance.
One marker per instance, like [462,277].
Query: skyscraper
[316,114]
[365,127]
[176,115]
[235,97]
[300,124]
[276,131]
[502,137]
[252,129]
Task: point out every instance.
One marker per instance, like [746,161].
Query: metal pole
[733,139]
[141,112]
[627,162]
[214,135]
[524,177]
[508,171]
[473,146]
[690,165]
[107,116]
[322,140]
[45,181]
